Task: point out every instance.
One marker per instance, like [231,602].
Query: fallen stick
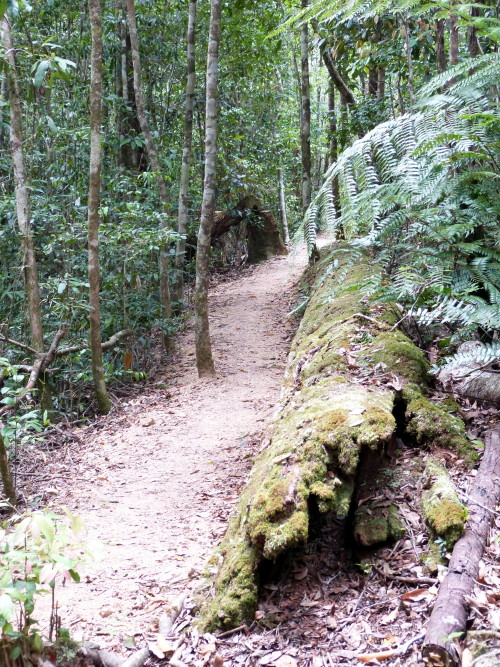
[449,615]
[390,653]
[138,659]
[168,619]
[405,580]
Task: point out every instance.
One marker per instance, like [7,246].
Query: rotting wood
[449,615]
[473,379]
[264,239]
[327,420]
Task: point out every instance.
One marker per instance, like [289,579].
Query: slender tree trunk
[333,148]
[305,125]
[180,251]
[409,57]
[284,218]
[165,300]
[23,207]
[204,360]
[454,35]
[440,49]
[9,490]
[103,402]
[472,40]
[373,81]
[381,84]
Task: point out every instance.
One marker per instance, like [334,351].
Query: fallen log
[336,419]
[472,378]
[264,239]
[449,615]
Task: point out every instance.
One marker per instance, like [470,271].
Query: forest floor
[157,479]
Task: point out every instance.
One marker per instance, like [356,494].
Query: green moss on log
[327,418]
[430,423]
[442,510]
[376,525]
[398,356]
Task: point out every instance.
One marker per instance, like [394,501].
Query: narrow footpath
[157,479]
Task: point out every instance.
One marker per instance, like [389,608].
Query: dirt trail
[157,481]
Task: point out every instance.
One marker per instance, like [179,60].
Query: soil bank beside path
[156,481]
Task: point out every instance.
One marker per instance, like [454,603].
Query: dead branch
[416,581]
[39,366]
[449,615]
[15,343]
[105,346]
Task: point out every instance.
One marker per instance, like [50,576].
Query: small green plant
[38,550]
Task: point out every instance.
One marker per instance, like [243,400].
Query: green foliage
[422,191]
[39,550]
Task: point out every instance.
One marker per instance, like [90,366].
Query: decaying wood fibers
[329,414]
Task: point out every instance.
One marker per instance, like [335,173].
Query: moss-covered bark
[442,510]
[330,414]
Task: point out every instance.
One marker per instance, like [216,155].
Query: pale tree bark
[409,57]
[9,491]
[103,402]
[284,218]
[23,207]
[165,299]
[204,359]
[180,250]
[305,121]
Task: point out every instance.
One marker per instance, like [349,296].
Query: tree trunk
[305,124]
[472,40]
[337,78]
[180,251]
[204,360]
[333,148]
[440,49]
[9,490]
[103,402]
[449,615]
[381,84]
[409,57]
[23,207]
[165,300]
[454,36]
[284,218]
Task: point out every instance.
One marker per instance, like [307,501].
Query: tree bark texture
[449,614]
[305,120]
[165,300]
[454,38]
[22,196]
[284,217]
[337,79]
[204,359]
[9,491]
[472,39]
[440,48]
[180,250]
[103,402]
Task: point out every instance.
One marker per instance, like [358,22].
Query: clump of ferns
[421,192]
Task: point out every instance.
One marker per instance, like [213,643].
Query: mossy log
[471,379]
[449,615]
[263,235]
[441,507]
[331,416]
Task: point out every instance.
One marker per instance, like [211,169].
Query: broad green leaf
[40,72]
[6,606]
